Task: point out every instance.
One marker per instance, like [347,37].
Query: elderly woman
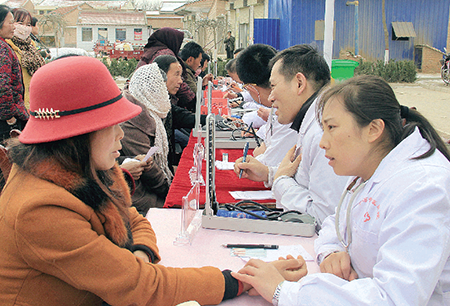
[12,110]
[167,41]
[148,90]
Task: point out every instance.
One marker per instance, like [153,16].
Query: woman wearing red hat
[13,114]
[69,235]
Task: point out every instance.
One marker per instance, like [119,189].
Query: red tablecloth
[226,180]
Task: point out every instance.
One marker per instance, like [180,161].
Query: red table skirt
[226,180]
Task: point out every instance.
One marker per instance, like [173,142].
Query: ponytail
[415,119]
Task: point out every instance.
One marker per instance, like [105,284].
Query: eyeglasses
[250,87]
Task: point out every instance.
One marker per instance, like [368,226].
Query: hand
[148,164]
[263,113]
[207,78]
[263,276]
[142,255]
[339,264]
[253,169]
[135,168]
[290,268]
[259,150]
[231,95]
[288,165]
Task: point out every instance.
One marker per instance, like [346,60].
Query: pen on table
[251,246]
[244,158]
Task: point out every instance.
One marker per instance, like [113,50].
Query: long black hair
[4,10]
[368,98]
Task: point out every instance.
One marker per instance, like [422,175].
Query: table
[226,180]
[206,249]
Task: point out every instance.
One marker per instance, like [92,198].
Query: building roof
[403,29]
[171,6]
[111,18]
[14,3]
[197,6]
[96,4]
[64,10]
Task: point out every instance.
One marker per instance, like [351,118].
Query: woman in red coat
[13,114]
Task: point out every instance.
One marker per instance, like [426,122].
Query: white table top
[207,250]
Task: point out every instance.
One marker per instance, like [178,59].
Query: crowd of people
[374,174]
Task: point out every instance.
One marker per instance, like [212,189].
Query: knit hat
[148,87]
[73,96]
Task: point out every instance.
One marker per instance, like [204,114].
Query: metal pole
[328,33]
[356,29]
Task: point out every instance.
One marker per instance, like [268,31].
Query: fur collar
[114,215]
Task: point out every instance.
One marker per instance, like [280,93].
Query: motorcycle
[445,67]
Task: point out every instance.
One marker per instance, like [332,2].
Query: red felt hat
[74,96]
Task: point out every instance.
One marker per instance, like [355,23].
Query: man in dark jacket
[229,44]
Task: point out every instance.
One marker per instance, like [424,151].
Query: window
[102,34]
[86,34]
[402,30]
[41,12]
[121,34]
[137,34]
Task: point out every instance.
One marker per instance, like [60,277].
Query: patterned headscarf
[148,87]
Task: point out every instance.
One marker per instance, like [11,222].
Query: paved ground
[431,97]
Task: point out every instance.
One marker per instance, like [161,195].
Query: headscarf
[148,87]
[164,38]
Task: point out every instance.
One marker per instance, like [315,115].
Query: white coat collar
[410,147]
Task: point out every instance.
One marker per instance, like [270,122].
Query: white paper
[129,160]
[221,165]
[252,195]
[150,152]
[271,255]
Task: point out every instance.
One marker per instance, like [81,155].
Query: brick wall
[430,60]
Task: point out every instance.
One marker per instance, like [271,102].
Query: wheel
[445,73]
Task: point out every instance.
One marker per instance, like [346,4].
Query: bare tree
[214,27]
[54,23]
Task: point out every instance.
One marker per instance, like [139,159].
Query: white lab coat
[315,188]
[400,247]
[251,117]
[278,140]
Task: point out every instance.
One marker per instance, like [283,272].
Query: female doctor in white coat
[389,241]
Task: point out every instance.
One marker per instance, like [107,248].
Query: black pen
[251,246]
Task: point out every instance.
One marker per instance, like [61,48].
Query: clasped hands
[262,278]
[136,168]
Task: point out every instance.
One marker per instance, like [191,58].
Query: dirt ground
[431,97]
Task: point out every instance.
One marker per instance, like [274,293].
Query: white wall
[89,45]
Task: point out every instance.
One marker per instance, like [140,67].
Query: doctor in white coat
[389,241]
[303,181]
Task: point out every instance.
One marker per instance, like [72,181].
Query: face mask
[22,31]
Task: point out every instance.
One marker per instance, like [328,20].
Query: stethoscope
[349,209]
